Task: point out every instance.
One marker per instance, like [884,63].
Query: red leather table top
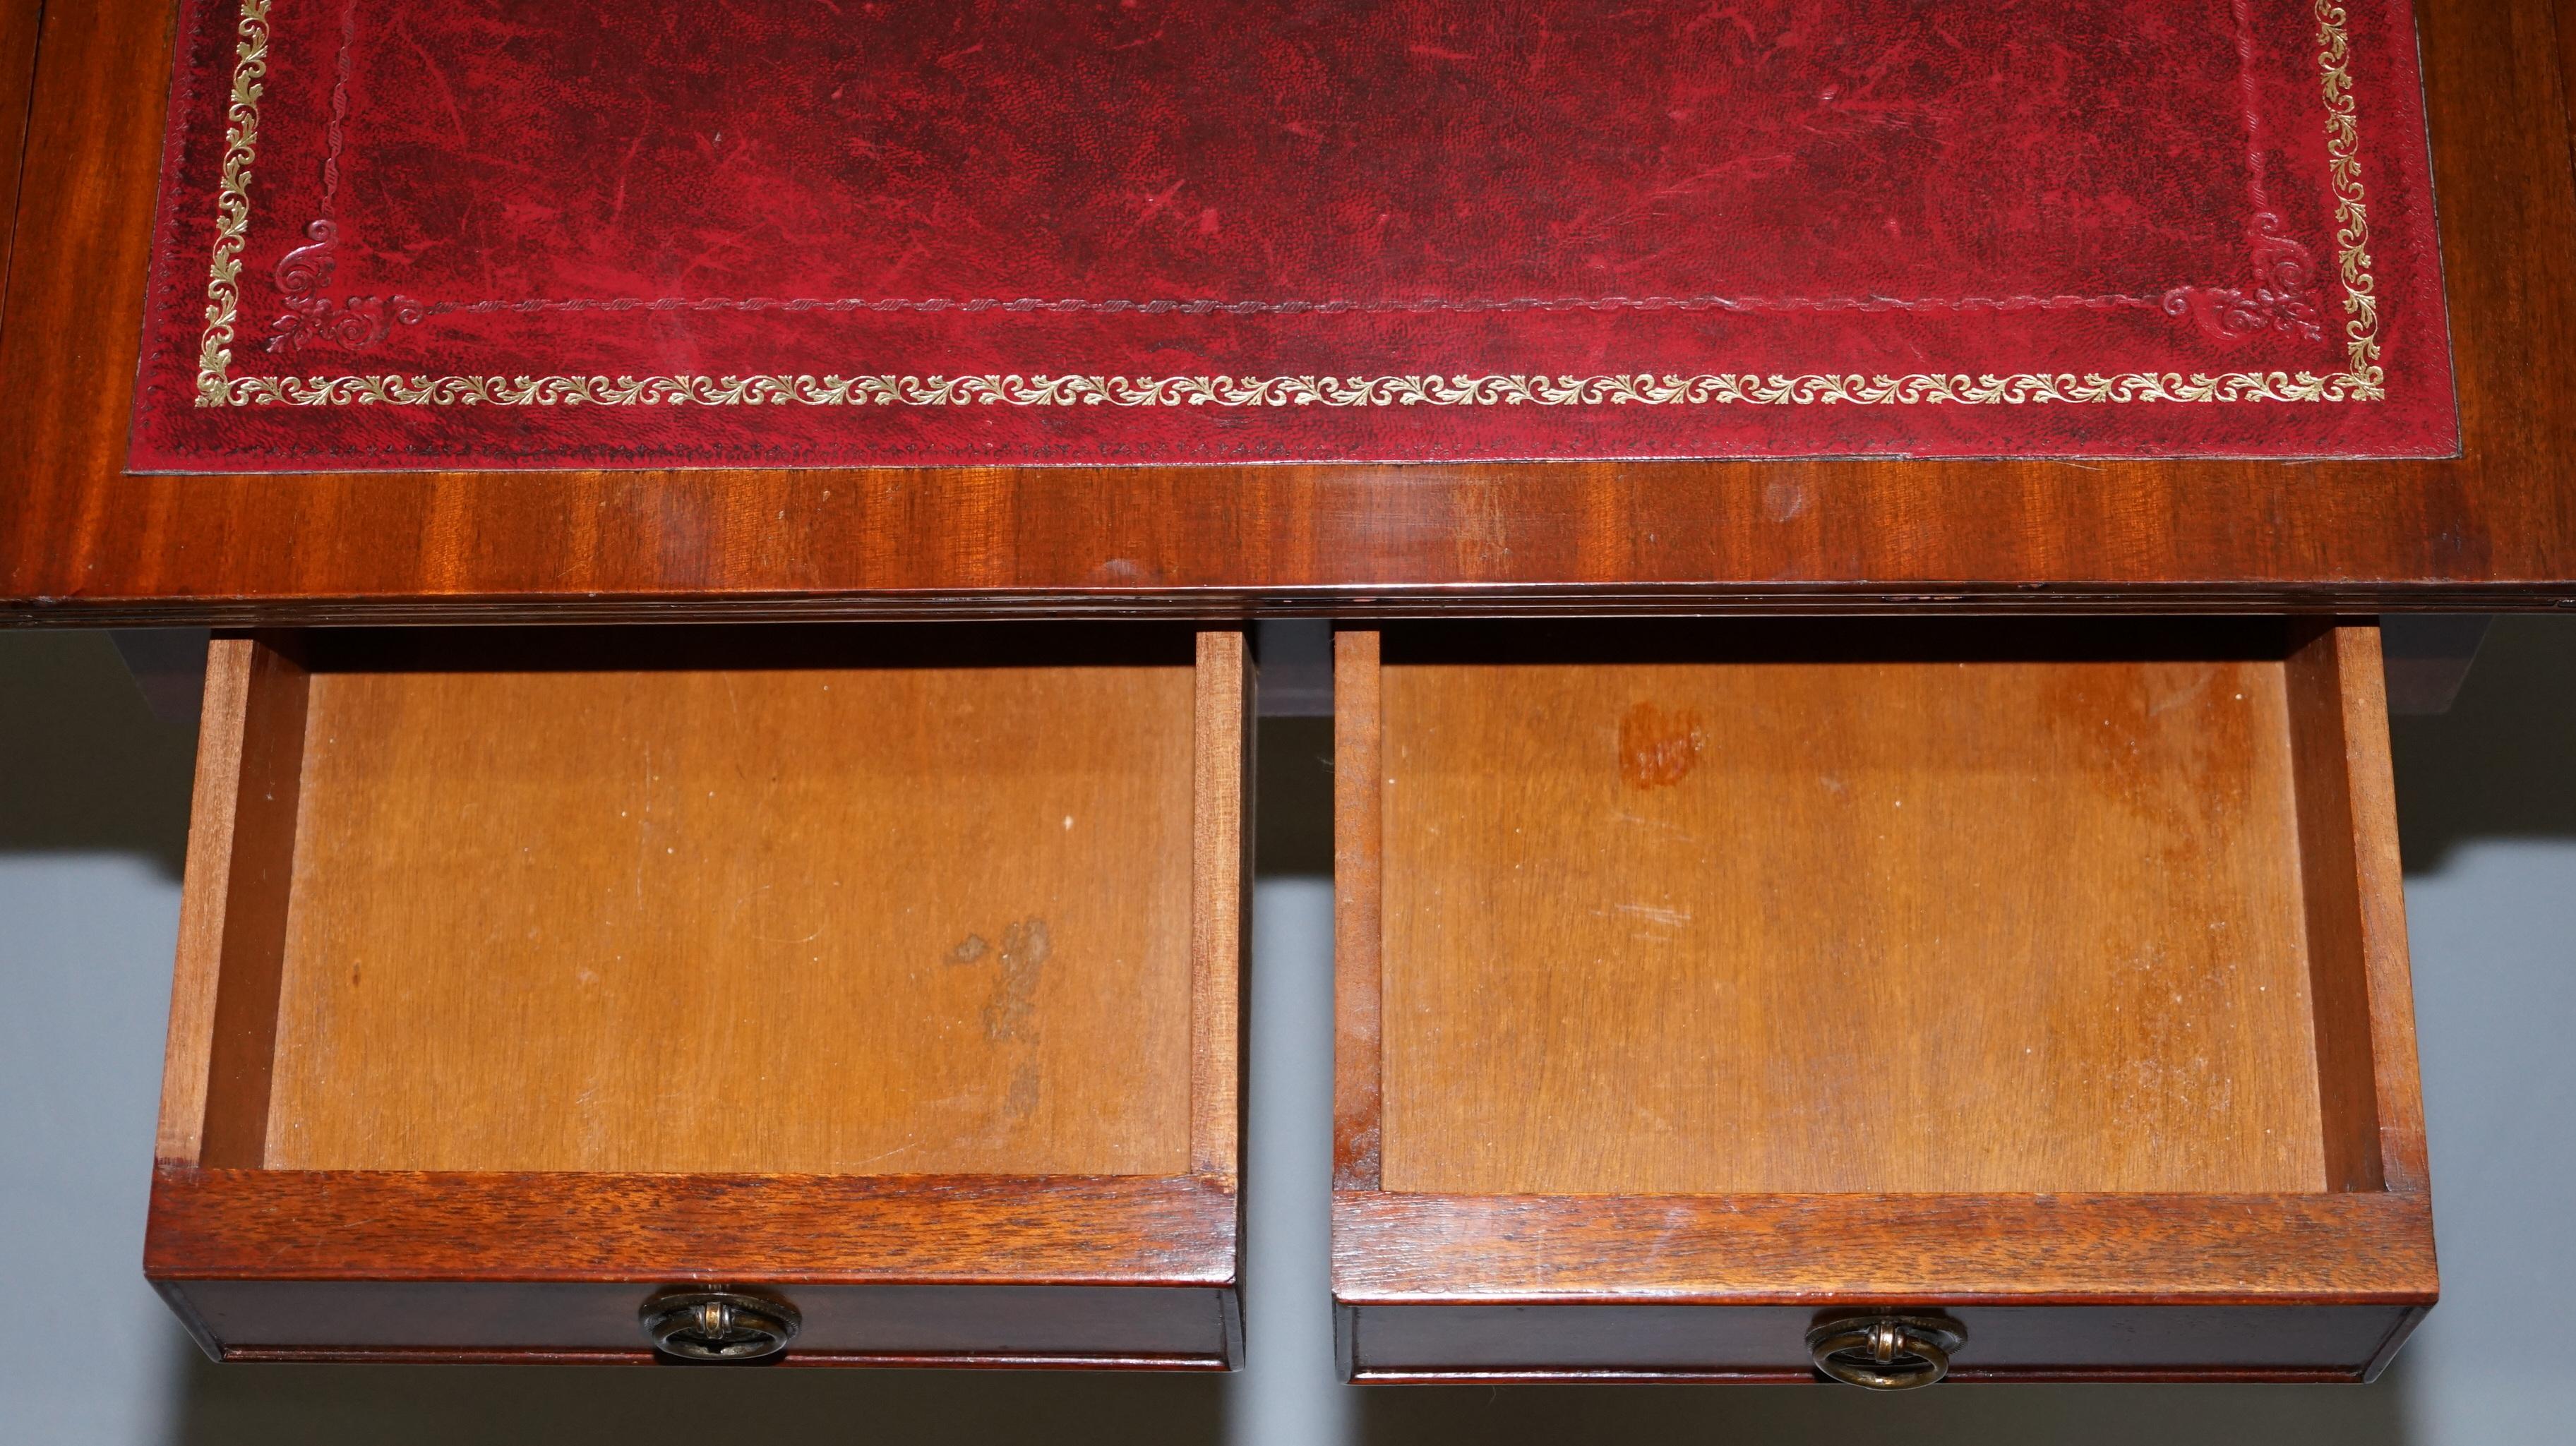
[793,233]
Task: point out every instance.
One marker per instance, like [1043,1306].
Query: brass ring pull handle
[1885,1352]
[719,1325]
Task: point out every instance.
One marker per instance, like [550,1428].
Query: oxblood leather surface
[1802,204]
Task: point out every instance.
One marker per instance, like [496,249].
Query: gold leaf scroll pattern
[232,203]
[2352,213]
[1387,391]
[2363,380]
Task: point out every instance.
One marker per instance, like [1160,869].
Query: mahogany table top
[2159,325]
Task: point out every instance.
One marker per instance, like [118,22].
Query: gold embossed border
[232,204]
[2363,379]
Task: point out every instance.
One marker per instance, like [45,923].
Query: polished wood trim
[968,1323]
[1220,882]
[1358,846]
[906,1360]
[391,1225]
[1243,604]
[82,541]
[20,20]
[1535,1375]
[2031,1342]
[2344,1248]
[2563,19]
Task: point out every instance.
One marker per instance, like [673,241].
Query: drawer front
[1144,1328]
[1767,1343]
[1689,973]
[527,971]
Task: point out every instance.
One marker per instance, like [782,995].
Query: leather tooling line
[2283,296]
[304,274]
[1067,306]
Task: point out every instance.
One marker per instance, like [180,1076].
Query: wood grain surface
[1221,772]
[2330,884]
[699,918]
[1849,923]
[19,21]
[259,909]
[2380,896]
[1104,1272]
[197,977]
[1862,1249]
[82,541]
[392,1225]
[1358,909]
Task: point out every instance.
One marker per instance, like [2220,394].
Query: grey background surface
[93,816]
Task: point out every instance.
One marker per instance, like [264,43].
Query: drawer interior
[1809,907]
[877,901]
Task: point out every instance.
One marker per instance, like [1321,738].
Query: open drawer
[873,989]
[1717,1001]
